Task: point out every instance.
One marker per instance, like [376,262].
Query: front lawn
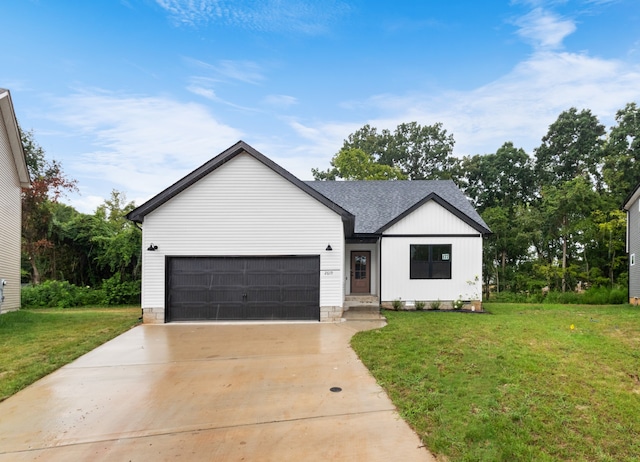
[525,383]
[34,343]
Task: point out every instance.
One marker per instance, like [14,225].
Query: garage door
[243,288]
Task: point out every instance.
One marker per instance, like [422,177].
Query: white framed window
[632,259]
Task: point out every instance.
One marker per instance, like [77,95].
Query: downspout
[380,271]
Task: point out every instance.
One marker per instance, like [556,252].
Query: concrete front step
[363,316]
[371,308]
[363,312]
[362,298]
[371,302]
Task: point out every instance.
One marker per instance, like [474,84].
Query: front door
[360,272]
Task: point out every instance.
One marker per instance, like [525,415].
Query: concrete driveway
[253,392]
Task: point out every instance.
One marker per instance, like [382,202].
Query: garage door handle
[244,296]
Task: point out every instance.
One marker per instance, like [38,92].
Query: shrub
[59,294]
[397,304]
[117,292]
[435,305]
[420,305]
[592,296]
[62,294]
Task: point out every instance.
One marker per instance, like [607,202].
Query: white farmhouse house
[13,177]
[240,238]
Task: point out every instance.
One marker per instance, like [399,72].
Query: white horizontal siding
[243,208]
[466,264]
[431,218]
[10,223]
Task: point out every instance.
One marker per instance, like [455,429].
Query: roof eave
[13,132]
[631,198]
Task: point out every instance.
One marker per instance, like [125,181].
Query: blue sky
[133,94]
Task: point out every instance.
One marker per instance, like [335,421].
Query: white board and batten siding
[10,222]
[431,224]
[243,208]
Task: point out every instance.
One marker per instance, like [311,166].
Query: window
[430,261]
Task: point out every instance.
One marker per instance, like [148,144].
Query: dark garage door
[243,288]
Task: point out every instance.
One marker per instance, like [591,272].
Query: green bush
[516,297]
[117,292]
[62,294]
[59,294]
[593,296]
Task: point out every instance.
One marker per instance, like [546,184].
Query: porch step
[362,308]
[370,301]
[363,313]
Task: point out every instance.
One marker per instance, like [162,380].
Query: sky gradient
[134,94]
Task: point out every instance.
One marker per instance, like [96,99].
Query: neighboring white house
[13,177]
[632,207]
[240,238]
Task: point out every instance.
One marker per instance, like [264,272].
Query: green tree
[504,179]
[355,164]
[506,247]
[118,240]
[422,152]
[567,208]
[419,152]
[572,147]
[621,169]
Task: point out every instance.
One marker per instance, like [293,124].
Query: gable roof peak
[137,215]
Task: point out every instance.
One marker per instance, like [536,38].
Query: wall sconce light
[152,248]
[328,249]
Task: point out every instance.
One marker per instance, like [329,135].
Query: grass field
[34,343]
[524,383]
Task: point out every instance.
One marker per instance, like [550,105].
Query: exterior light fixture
[329,249]
[152,248]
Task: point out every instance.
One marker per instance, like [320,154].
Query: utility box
[3,282]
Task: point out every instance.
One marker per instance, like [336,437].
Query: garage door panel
[238,288]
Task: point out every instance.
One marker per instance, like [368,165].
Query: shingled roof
[379,204]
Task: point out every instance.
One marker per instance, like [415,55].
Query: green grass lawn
[34,343]
[518,384]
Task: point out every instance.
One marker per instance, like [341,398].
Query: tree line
[555,213]
[98,253]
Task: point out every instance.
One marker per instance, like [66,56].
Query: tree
[506,247]
[503,179]
[118,240]
[422,152]
[567,208]
[621,169]
[355,164]
[419,152]
[572,147]
[48,184]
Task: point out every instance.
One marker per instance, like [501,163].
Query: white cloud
[518,107]
[543,29]
[244,71]
[202,91]
[142,144]
[280,101]
[305,16]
